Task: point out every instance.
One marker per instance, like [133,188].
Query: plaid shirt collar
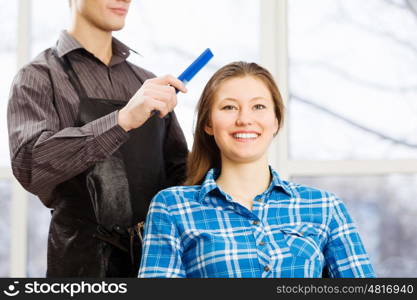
[209,184]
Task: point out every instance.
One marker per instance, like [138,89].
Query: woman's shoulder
[312,193]
[300,191]
[178,194]
[310,197]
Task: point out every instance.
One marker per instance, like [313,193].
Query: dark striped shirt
[46,148]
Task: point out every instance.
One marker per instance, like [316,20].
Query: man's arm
[44,155]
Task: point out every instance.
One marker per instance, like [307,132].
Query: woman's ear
[208,129]
[276,127]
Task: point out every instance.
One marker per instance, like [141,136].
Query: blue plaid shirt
[292,231]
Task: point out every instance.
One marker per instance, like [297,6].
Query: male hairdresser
[85,138]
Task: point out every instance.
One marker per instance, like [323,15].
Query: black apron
[96,219]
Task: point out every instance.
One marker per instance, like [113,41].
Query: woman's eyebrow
[236,100]
[230,99]
[258,98]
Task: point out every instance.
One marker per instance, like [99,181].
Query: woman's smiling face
[242,119]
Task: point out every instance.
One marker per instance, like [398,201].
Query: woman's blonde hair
[205,154]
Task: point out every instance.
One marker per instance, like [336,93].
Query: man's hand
[155,94]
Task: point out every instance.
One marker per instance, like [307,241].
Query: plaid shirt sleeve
[161,253]
[344,252]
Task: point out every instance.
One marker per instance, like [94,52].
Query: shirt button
[262,243]
[266,269]
[255,222]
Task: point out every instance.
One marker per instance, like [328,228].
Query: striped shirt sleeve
[44,155]
[344,252]
[161,254]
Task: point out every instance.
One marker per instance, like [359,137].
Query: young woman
[236,217]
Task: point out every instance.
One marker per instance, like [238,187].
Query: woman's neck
[92,38]
[244,181]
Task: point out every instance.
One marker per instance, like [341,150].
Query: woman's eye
[259,106]
[228,107]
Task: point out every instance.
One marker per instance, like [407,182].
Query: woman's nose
[244,118]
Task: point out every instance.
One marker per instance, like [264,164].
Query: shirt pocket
[303,241]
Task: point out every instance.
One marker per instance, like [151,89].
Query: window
[352,74]
[46,27]
[8,30]
[5,195]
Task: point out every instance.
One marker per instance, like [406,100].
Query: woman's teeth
[245,135]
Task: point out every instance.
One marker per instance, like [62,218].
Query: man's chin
[113,27]
[117,28]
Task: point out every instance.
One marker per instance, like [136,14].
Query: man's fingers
[160,106]
[170,80]
[164,94]
[161,88]
[161,95]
